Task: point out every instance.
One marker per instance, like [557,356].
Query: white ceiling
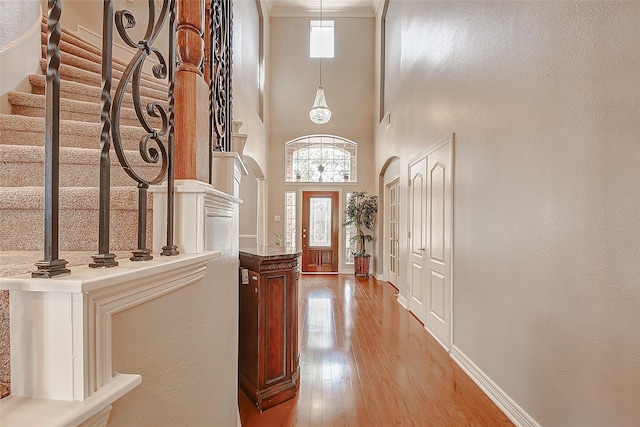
[330,8]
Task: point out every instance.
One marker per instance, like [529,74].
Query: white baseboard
[403,302]
[437,339]
[510,408]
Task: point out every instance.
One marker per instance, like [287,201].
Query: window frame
[337,167]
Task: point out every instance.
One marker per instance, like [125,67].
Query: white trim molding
[403,301]
[61,337]
[510,408]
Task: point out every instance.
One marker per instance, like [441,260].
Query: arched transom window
[320,158]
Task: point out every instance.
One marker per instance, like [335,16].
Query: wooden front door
[320,227]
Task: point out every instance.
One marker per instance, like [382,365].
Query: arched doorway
[388,264]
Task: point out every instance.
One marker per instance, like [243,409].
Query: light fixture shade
[320,113]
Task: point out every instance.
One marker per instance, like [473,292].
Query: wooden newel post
[190,53]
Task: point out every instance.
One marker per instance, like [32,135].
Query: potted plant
[361,212]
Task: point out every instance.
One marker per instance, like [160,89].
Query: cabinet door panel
[275,336]
[248,328]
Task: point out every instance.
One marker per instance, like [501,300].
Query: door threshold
[320,272]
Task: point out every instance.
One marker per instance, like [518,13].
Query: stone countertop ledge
[270,252]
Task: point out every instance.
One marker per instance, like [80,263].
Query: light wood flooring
[366,361]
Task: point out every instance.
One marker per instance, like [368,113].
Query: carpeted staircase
[21,170]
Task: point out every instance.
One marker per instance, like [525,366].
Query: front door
[417,238]
[320,228]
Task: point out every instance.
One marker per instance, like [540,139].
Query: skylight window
[321,40]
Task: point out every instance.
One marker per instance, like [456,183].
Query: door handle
[421,249]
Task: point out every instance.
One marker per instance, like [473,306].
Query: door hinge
[408,234]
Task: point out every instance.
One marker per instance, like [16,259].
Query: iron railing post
[104,258]
[170,249]
[51,265]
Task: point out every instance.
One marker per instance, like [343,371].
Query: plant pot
[361,265]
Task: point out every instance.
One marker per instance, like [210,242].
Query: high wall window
[321,39]
[320,158]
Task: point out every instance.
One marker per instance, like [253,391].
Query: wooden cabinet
[268,356]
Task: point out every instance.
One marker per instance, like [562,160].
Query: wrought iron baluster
[220,94]
[162,138]
[170,249]
[210,32]
[104,258]
[229,87]
[217,93]
[51,265]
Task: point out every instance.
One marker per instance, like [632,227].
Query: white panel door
[417,238]
[437,277]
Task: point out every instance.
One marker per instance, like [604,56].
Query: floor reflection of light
[333,371]
[348,295]
[320,320]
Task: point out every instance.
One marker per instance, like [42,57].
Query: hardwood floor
[365,361]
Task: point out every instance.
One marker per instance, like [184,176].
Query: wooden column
[190,53]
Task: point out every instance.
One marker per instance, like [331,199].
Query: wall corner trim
[506,404]
[403,302]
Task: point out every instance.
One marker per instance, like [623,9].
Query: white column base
[227,169]
[195,203]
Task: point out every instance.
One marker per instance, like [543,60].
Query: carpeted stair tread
[22,262]
[74,74]
[96,67]
[21,218]
[80,52]
[22,166]
[76,40]
[72,38]
[82,92]
[24,130]
[122,197]
[29,104]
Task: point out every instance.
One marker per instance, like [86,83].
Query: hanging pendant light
[320,113]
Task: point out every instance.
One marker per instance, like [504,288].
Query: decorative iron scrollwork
[219,61]
[158,151]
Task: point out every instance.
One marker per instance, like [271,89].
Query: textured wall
[22,15]
[545,103]
[184,346]
[249,90]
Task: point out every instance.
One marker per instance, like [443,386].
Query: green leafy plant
[361,212]
[278,239]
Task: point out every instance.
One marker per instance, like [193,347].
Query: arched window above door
[320,158]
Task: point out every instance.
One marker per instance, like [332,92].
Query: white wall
[249,74]
[544,100]
[348,81]
[19,47]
